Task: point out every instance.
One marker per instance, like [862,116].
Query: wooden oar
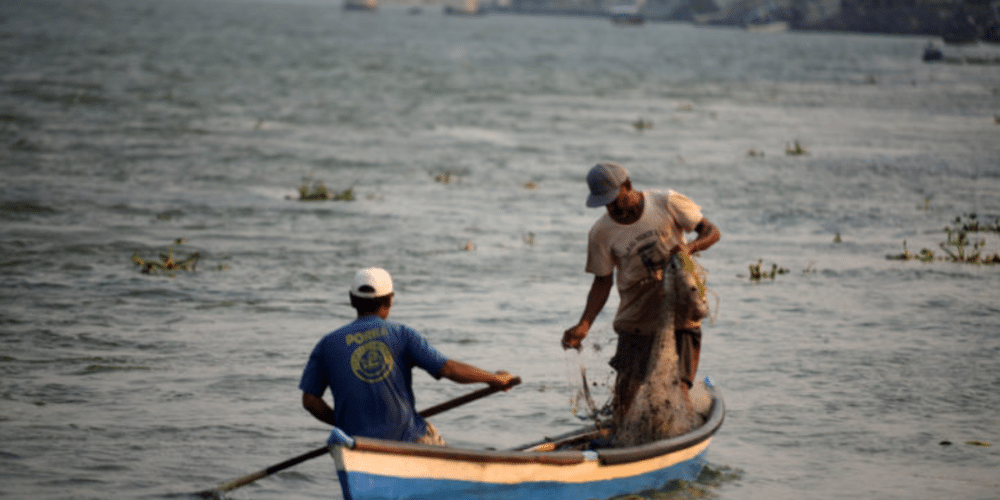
[461,400]
[434,410]
[249,478]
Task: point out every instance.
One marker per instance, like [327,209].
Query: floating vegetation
[529,238]
[753,153]
[925,255]
[642,125]
[795,150]
[530,185]
[446,178]
[837,238]
[927,203]
[314,191]
[956,247]
[24,145]
[971,224]
[168,265]
[169,214]
[757,274]
[970,443]
[469,246]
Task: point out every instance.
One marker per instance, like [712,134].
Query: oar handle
[472,396]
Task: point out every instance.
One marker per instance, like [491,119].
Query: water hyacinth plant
[795,150]
[168,265]
[642,125]
[756,274]
[446,178]
[313,191]
[956,247]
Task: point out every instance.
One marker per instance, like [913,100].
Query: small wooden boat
[932,53]
[768,27]
[468,8]
[626,15]
[361,5]
[568,467]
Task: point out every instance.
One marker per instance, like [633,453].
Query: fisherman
[367,364]
[637,236]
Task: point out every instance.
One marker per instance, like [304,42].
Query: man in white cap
[367,366]
[636,237]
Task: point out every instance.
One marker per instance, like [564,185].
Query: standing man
[637,237]
[367,366]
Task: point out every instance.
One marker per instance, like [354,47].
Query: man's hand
[575,335]
[504,380]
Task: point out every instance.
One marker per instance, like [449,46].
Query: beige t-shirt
[639,251]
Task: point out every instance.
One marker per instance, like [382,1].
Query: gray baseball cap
[605,180]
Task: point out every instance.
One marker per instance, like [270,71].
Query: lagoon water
[128,124]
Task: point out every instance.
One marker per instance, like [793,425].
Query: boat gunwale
[608,456]
[466,455]
[617,456]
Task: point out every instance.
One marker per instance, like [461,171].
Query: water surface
[127,125]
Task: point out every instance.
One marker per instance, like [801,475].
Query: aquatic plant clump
[642,125]
[972,224]
[168,265]
[757,274]
[447,178]
[957,247]
[795,150]
[317,191]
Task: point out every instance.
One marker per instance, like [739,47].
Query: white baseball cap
[371,283]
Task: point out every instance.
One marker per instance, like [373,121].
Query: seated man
[367,366]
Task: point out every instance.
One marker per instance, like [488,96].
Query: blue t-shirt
[367,366]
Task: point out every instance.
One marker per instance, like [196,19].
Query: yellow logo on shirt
[361,338]
[372,362]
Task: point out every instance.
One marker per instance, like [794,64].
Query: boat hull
[562,484]
[373,469]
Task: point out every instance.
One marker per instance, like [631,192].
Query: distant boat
[763,20]
[365,5]
[768,27]
[932,52]
[468,8]
[626,15]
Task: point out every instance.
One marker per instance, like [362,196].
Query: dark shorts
[688,344]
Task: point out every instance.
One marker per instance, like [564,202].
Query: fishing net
[590,395]
[654,403]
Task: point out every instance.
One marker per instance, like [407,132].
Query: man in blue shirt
[368,364]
